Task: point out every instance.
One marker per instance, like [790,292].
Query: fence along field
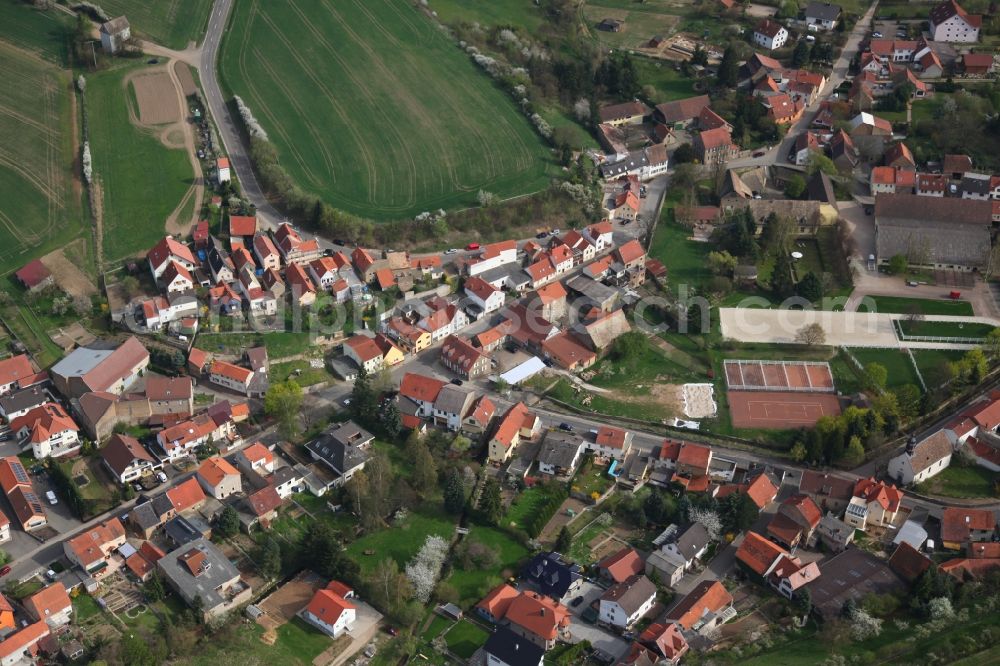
[40,205]
[170,23]
[372,108]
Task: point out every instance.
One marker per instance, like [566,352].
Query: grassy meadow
[142,180]
[375,110]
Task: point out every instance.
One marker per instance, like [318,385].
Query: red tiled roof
[167,248]
[769,28]
[986,416]
[957,522]
[242,225]
[908,562]
[610,437]
[14,369]
[482,411]
[264,501]
[806,507]
[363,347]
[23,640]
[694,455]
[215,470]
[630,252]
[90,546]
[44,421]
[510,424]
[761,491]
[622,565]
[950,8]
[48,601]
[758,553]
[887,495]
[231,371]
[138,565]
[480,288]
[420,387]
[498,600]
[550,293]
[707,597]
[538,615]
[884,175]
[962,568]
[186,495]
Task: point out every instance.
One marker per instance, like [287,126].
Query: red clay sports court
[779,409]
[807,376]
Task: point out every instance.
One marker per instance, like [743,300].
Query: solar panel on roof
[32,499]
[19,473]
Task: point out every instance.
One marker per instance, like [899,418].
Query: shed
[450,611]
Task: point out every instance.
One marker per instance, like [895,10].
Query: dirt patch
[71,337]
[281,605]
[699,400]
[68,275]
[183,74]
[561,518]
[157,98]
[173,137]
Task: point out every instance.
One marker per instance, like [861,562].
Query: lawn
[961,481]
[668,82]
[84,608]
[945,329]
[473,584]
[591,478]
[601,404]
[170,23]
[686,260]
[40,210]
[142,180]
[400,542]
[434,629]
[298,644]
[895,361]
[306,374]
[279,344]
[374,109]
[932,364]
[529,508]
[465,638]
[925,306]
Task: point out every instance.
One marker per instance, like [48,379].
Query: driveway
[365,628]
[601,639]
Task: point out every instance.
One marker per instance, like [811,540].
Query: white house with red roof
[325,271]
[600,234]
[265,251]
[610,442]
[362,350]
[93,550]
[951,23]
[584,251]
[299,283]
[293,249]
[422,390]
[255,458]
[49,430]
[484,295]
[219,478]
[330,610]
[493,256]
[13,371]
[231,376]
[874,503]
[168,250]
[176,278]
[770,34]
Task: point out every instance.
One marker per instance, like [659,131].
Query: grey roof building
[505,648]
[941,232]
[350,433]
[14,404]
[341,449]
[599,294]
[835,534]
[199,569]
[851,574]
[822,11]
[559,456]
[692,542]
[182,531]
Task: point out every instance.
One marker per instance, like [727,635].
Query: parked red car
[5,570]
[472,246]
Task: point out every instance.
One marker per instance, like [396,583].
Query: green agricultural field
[372,108]
[170,23]
[42,33]
[141,179]
[520,13]
[40,207]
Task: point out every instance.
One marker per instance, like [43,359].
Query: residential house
[960,526]
[343,449]
[782,108]
[510,430]
[483,295]
[551,575]
[875,503]
[658,644]
[15,373]
[219,478]
[176,279]
[506,648]
[583,250]
[288,480]
[770,34]
[559,455]
[550,301]
[422,390]
[492,256]
[126,458]
[600,234]
[293,249]
[231,376]
[51,605]
[330,609]
[703,608]
[267,254]
[466,361]
[411,338]
[949,234]
[624,604]
[598,333]
[610,442]
[843,152]
[568,352]
[689,547]
[621,565]
[167,251]
[796,520]
[21,647]
[17,486]
[451,406]
[831,493]
[477,420]
[822,15]
[931,185]
[92,549]
[977,64]
[908,563]
[96,368]
[537,618]
[949,22]
[715,146]
[757,556]
[790,574]
[493,607]
[300,285]
[198,570]
[693,460]
[325,271]
[922,460]
[391,354]
[49,430]
[364,352]
[976,186]
[835,534]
